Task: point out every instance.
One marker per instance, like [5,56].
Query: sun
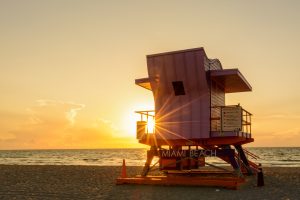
[151,125]
[130,119]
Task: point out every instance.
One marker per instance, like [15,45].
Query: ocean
[270,157]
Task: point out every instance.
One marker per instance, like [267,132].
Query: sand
[94,182]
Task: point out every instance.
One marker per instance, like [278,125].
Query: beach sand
[98,182]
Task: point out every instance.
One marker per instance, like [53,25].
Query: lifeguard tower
[192,121]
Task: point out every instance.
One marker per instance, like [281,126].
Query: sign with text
[195,153]
[187,153]
[232,118]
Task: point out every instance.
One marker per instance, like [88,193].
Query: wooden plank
[230,183]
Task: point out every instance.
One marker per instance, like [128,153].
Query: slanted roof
[231,79]
[175,52]
[143,82]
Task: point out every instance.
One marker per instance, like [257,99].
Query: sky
[67,67]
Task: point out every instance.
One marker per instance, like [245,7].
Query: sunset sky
[67,67]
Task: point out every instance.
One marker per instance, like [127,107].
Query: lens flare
[151,125]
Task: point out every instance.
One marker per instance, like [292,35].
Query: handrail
[251,154]
[232,106]
[146,112]
[142,111]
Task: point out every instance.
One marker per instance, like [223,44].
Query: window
[178,88]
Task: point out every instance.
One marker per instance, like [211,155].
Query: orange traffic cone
[123,175]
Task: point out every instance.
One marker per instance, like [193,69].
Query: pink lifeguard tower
[192,121]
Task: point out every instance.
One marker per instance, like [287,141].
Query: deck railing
[246,121]
[146,124]
[231,118]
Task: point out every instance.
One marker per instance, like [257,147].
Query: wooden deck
[226,182]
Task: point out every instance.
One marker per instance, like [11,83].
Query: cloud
[100,122]
[9,119]
[278,116]
[277,134]
[54,124]
[51,112]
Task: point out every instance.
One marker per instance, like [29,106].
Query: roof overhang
[143,82]
[231,79]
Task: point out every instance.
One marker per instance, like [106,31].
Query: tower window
[178,88]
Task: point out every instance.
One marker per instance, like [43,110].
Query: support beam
[150,154]
[243,158]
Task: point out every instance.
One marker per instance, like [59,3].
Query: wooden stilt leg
[243,158]
[150,155]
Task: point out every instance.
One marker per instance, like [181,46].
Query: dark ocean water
[277,156]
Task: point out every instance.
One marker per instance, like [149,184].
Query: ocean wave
[289,157]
